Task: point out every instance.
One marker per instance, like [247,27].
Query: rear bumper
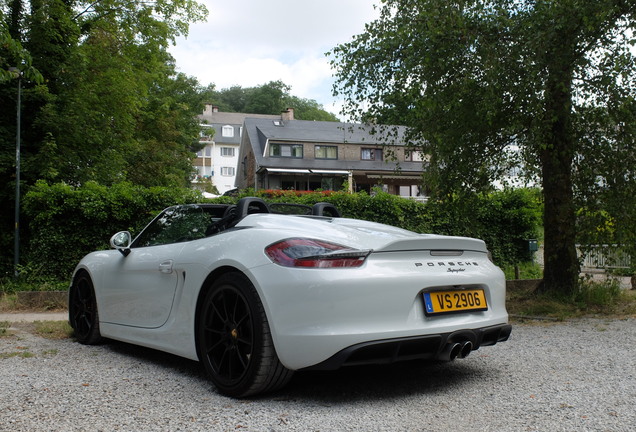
[431,347]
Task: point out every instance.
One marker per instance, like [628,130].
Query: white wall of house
[218,163]
[218,160]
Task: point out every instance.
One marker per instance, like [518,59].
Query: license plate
[439,302]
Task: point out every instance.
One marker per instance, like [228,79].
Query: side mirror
[121,241]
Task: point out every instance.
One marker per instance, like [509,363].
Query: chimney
[215,109]
[287,115]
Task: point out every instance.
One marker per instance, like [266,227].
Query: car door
[140,287]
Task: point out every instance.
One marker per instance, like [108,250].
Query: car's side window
[174,225]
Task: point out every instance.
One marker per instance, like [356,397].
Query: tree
[232,99]
[271,98]
[110,106]
[168,133]
[488,85]
[267,99]
[308,109]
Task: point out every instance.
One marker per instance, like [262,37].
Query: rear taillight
[302,252]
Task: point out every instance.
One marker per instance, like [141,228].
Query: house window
[205,152]
[227,171]
[326,152]
[227,131]
[413,156]
[204,171]
[286,150]
[371,154]
[227,151]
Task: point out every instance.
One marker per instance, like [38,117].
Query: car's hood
[359,234]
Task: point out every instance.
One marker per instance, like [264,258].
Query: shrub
[65,222]
[505,220]
[527,270]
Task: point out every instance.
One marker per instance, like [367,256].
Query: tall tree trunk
[562,267]
[15,20]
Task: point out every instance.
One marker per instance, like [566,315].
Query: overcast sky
[252,42]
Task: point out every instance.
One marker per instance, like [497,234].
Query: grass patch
[592,299]
[4,326]
[53,329]
[21,354]
[598,294]
[527,270]
[10,285]
[8,302]
[33,301]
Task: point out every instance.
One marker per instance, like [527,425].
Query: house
[221,134]
[284,153]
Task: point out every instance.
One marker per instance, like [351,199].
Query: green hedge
[505,220]
[65,222]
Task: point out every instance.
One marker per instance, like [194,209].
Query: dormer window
[227,131]
[326,152]
[286,150]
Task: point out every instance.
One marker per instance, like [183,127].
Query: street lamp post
[16,243]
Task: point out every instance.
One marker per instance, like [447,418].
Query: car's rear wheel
[82,310]
[234,339]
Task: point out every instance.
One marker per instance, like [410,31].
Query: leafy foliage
[14,56]
[492,85]
[504,220]
[67,222]
[101,99]
[270,98]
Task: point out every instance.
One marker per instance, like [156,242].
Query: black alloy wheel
[234,339]
[82,310]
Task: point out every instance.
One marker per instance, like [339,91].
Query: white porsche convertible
[254,294]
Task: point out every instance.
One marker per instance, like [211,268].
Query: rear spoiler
[444,245]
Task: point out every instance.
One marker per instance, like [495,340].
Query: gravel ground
[575,376]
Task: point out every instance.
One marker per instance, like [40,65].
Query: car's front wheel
[234,339]
[82,310]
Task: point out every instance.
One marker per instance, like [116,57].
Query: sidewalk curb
[34,316]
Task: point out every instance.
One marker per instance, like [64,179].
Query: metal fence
[596,256]
[604,256]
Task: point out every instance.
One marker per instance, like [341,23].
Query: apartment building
[221,136]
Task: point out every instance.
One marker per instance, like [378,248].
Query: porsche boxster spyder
[255,293]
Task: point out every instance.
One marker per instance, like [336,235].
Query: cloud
[252,42]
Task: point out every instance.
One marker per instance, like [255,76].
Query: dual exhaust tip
[455,350]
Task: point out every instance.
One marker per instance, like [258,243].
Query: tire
[234,340]
[82,310]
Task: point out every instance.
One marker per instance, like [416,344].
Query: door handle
[166,267]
